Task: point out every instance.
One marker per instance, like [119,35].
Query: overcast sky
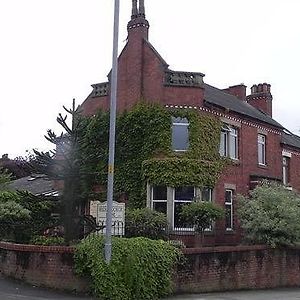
[51,51]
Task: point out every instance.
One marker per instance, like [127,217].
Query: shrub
[140,268]
[23,215]
[145,222]
[41,209]
[271,215]
[201,214]
[47,241]
[12,218]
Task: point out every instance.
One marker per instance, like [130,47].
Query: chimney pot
[254,89]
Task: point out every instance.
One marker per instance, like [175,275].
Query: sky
[51,51]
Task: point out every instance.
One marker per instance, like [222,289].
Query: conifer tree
[62,165]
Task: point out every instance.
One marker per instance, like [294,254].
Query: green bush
[201,214]
[23,215]
[145,222]
[5,178]
[140,268]
[12,218]
[47,241]
[41,209]
[271,215]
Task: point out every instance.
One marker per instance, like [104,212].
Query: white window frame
[170,203]
[231,137]
[183,123]
[230,204]
[286,164]
[261,149]
[157,200]
[173,216]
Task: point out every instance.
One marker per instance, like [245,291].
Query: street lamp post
[112,133]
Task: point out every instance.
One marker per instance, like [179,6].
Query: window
[206,194]
[182,196]
[285,170]
[229,209]
[170,201]
[180,134]
[229,142]
[159,198]
[261,140]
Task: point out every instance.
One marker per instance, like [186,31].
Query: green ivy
[177,172]
[140,268]
[144,152]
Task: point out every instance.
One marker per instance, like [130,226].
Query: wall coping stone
[36,248]
[225,249]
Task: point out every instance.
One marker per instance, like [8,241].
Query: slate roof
[220,98]
[35,184]
[290,139]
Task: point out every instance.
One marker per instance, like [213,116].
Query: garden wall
[49,266]
[205,269]
[240,267]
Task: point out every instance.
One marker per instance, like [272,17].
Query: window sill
[189,232]
[263,166]
[180,151]
[229,231]
[235,161]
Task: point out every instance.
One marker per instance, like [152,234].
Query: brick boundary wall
[205,269]
[211,269]
[48,266]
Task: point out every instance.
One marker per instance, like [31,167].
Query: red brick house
[259,146]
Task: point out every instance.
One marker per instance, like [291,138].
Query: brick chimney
[138,26]
[237,90]
[261,97]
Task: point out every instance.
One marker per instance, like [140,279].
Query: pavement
[274,294]
[15,290]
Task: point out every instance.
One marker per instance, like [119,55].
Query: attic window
[180,134]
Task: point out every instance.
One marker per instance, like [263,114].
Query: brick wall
[49,266]
[205,269]
[232,268]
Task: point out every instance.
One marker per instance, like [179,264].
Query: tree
[5,178]
[271,215]
[63,164]
[18,167]
[200,215]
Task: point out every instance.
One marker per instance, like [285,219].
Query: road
[13,290]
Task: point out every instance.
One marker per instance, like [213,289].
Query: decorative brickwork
[100,89]
[183,78]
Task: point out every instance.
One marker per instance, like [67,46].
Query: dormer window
[180,134]
[229,142]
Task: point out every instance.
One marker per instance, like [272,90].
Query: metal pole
[112,133]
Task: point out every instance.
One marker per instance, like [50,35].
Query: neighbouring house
[257,145]
[36,184]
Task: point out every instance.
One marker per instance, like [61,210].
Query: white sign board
[98,210]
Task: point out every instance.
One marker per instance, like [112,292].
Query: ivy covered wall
[144,152]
